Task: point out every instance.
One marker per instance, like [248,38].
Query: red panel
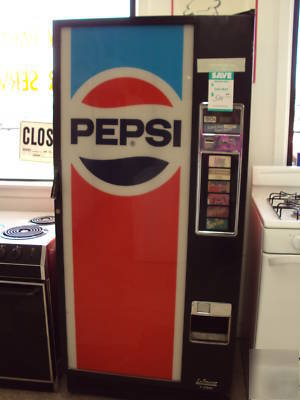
[121,92]
[125,260]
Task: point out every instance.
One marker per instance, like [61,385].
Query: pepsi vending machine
[151,181]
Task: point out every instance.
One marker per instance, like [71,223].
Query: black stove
[282,201]
[28,298]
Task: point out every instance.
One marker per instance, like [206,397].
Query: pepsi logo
[126,129]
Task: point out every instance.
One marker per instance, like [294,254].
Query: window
[26,92]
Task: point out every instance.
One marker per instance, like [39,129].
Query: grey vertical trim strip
[43,262]
[221,64]
[48,332]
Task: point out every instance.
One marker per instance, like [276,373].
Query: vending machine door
[126,128]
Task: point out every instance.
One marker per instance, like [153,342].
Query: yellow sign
[26,58]
[24,80]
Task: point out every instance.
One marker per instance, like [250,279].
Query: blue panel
[158,49]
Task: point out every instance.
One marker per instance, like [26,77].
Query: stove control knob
[32,252]
[2,251]
[296,242]
[15,253]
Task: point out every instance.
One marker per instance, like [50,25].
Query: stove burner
[44,220]
[285,201]
[24,232]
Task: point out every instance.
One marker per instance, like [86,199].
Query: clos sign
[36,141]
[38,136]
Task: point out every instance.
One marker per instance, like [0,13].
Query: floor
[238,390]
[60,394]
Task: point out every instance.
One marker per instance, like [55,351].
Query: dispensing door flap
[210,322]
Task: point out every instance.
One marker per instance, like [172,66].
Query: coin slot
[209,140]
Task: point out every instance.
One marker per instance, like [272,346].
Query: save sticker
[220,91]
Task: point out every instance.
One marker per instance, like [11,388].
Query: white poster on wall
[193,7]
[36,141]
[212,7]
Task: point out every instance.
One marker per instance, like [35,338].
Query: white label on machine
[220,91]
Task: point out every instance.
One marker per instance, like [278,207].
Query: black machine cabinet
[216,223]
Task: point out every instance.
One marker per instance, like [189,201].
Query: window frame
[293,83]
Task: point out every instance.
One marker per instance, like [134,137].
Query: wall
[270,92]
[270,99]
[26,196]
[153,7]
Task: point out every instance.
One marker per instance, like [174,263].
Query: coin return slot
[210,323]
